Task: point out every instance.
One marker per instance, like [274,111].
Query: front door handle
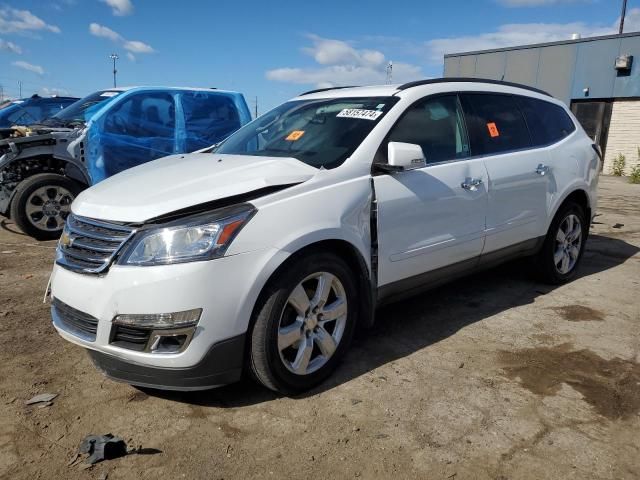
[542,169]
[471,184]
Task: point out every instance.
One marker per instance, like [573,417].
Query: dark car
[28,111]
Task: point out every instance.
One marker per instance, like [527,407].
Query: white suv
[266,252]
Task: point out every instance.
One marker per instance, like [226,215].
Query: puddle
[579,313]
[612,387]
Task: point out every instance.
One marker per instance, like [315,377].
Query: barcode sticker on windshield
[359,113]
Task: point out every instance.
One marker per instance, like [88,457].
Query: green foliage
[634,176]
[618,165]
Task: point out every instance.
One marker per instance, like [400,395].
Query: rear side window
[495,123]
[548,123]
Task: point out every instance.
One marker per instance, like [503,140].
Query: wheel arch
[19,169]
[354,259]
[578,195]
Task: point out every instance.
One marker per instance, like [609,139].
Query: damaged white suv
[267,252]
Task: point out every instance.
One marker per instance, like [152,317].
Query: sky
[271,50]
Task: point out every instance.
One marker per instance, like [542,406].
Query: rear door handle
[542,169]
[471,184]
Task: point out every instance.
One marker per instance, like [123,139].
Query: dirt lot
[495,376]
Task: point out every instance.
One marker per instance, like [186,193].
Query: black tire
[51,228]
[547,269]
[266,362]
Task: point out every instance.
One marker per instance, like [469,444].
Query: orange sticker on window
[493,130]
[295,135]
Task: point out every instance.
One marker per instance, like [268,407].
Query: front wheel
[42,203]
[564,245]
[303,323]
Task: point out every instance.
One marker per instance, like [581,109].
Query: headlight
[200,237]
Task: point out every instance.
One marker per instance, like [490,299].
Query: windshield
[83,109]
[15,113]
[320,133]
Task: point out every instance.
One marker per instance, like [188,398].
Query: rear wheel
[42,203]
[564,244]
[304,323]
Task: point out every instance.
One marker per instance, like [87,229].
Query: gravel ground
[494,376]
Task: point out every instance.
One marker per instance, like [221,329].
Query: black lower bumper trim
[220,366]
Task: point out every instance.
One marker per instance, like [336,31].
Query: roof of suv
[388,90]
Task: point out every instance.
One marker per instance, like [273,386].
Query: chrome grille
[89,246]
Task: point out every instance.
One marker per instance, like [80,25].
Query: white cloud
[104,32]
[537,3]
[137,46]
[10,47]
[339,63]
[29,67]
[524,34]
[131,57]
[120,7]
[134,46]
[13,20]
[47,92]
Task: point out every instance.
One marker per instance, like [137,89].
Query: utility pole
[256,107]
[622,15]
[1,93]
[20,88]
[114,57]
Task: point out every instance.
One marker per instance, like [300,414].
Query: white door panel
[517,197]
[427,220]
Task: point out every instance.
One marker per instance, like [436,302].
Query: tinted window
[436,125]
[495,123]
[209,118]
[548,123]
[143,115]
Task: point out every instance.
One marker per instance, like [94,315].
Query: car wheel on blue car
[41,204]
[304,322]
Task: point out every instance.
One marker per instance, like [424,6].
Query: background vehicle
[28,111]
[100,135]
[271,250]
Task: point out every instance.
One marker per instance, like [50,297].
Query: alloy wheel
[312,323]
[47,207]
[568,244]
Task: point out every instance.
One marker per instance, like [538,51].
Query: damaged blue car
[43,167]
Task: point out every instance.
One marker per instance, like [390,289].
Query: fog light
[188,318]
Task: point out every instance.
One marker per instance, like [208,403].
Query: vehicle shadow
[405,327]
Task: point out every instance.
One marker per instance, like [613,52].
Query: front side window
[320,133]
[437,125]
[142,115]
[209,117]
[548,123]
[495,123]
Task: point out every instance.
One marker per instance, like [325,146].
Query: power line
[622,15]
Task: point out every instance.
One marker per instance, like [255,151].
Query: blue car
[100,135]
[29,111]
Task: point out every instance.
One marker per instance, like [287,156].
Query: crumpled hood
[180,181]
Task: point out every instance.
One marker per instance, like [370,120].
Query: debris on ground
[41,398]
[102,447]
[618,225]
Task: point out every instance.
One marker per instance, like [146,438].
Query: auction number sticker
[493,130]
[359,113]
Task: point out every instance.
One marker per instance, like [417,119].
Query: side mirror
[405,156]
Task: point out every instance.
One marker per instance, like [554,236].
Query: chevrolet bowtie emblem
[65,240]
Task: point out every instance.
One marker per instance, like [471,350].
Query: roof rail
[469,80]
[317,90]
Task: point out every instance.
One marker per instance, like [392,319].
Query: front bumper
[225,289]
[220,366]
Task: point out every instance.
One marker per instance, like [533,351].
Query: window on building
[436,124]
[495,123]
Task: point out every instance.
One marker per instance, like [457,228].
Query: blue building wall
[564,69]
